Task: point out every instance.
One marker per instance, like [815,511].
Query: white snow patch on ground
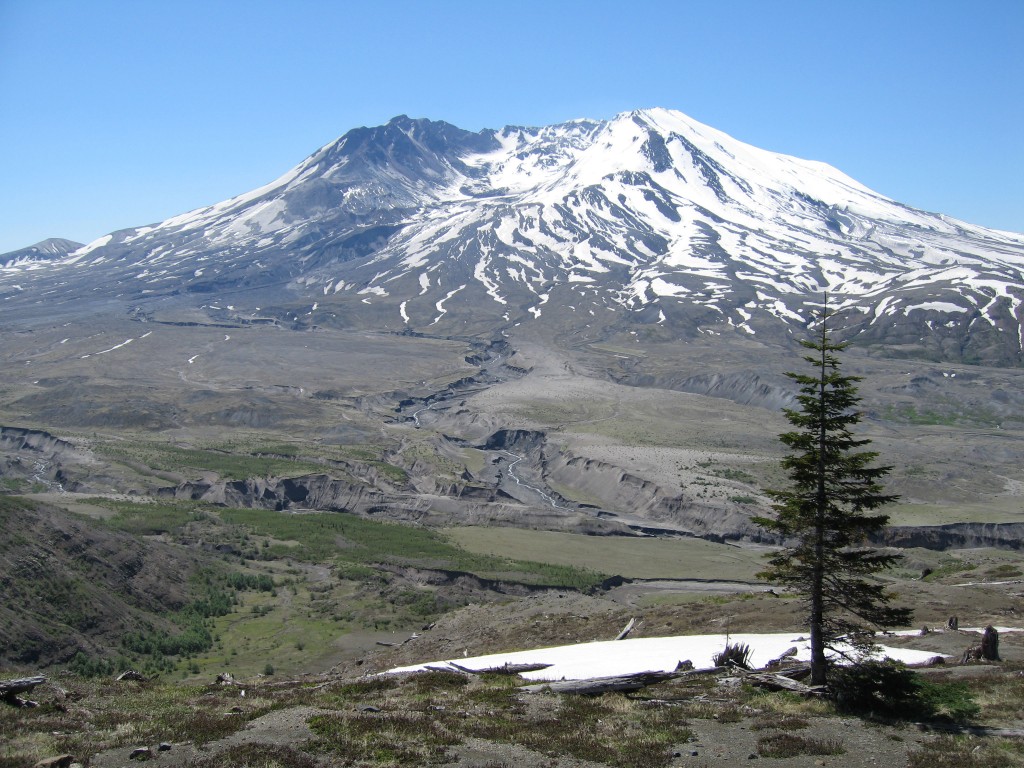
[440,305]
[75,256]
[939,306]
[116,346]
[651,654]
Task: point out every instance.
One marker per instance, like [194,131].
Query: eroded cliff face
[649,508]
[630,504]
[955,536]
[37,458]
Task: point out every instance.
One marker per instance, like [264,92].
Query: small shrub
[257,755]
[960,752]
[784,723]
[737,655]
[1004,571]
[877,688]
[383,738]
[439,680]
[949,701]
[789,745]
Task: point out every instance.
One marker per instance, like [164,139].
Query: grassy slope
[641,558]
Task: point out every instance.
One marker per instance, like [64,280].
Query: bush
[790,745]
[283,756]
[888,690]
[961,752]
[733,656]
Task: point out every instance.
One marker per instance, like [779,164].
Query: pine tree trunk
[818,676]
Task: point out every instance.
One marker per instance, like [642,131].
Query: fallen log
[626,630]
[794,670]
[505,669]
[595,686]
[972,730]
[9,690]
[775,682]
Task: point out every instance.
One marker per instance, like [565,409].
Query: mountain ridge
[649,222]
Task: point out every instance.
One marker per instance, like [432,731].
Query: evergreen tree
[824,515]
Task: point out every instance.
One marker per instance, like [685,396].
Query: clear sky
[122,113]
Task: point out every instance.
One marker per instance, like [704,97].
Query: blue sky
[118,114]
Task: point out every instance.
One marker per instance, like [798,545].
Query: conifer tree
[825,514]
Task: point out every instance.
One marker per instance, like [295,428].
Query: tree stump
[990,644]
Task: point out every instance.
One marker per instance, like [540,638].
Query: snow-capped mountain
[648,221]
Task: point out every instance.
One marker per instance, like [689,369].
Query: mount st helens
[649,223]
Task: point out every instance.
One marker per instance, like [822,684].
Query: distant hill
[47,250]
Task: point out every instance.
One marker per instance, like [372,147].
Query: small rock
[141,753]
[694,753]
[753,756]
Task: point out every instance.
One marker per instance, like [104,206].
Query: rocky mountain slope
[647,223]
[47,250]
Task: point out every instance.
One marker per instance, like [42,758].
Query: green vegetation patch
[149,518]
[941,412]
[648,558]
[227,465]
[949,567]
[349,539]
[157,649]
